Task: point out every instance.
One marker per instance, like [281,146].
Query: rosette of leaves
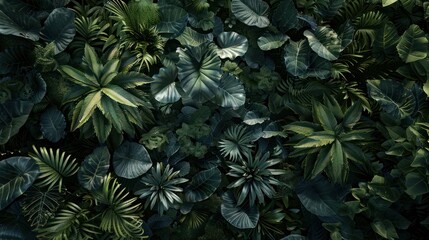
[160,188]
[327,144]
[254,177]
[106,95]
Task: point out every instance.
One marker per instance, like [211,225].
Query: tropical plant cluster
[214,119]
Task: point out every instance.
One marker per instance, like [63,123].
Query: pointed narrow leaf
[231,45]
[119,95]
[325,42]
[89,104]
[324,116]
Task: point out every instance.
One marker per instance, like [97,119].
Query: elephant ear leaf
[231,92]
[203,185]
[231,45]
[53,124]
[17,174]
[242,217]
[94,169]
[285,15]
[199,72]
[173,20]
[20,25]
[325,42]
[13,115]
[296,57]
[413,45]
[59,28]
[164,86]
[131,160]
[272,41]
[251,12]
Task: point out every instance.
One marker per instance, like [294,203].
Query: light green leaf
[272,41]
[324,116]
[325,42]
[131,160]
[78,77]
[119,95]
[251,12]
[386,3]
[203,185]
[17,174]
[413,44]
[94,168]
[231,45]
[302,127]
[92,61]
[317,139]
[89,104]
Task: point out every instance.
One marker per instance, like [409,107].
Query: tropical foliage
[204,119]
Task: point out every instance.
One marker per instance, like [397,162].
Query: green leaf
[59,28]
[17,174]
[94,168]
[416,184]
[325,42]
[121,96]
[242,217]
[328,8]
[231,92]
[190,37]
[385,228]
[352,115]
[102,126]
[53,124]
[272,41]
[92,61]
[324,116]
[199,72]
[285,15]
[78,77]
[317,139]
[294,237]
[131,160]
[164,87]
[302,127]
[21,25]
[413,44]
[89,104]
[398,101]
[346,34]
[251,12]
[173,20]
[386,3]
[296,57]
[338,163]
[13,115]
[231,45]
[203,185]
[386,39]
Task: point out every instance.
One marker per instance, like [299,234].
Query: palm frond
[54,166]
[236,142]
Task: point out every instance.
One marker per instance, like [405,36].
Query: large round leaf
[251,12]
[203,185]
[231,92]
[413,45]
[20,25]
[131,160]
[272,41]
[53,124]
[173,20]
[231,45]
[325,42]
[296,57]
[94,168]
[199,72]
[164,87]
[242,217]
[13,115]
[59,28]
[17,174]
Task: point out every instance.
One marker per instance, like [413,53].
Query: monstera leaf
[231,92]
[272,41]
[173,20]
[296,57]
[251,12]
[53,124]
[20,25]
[413,45]
[203,185]
[94,168]
[13,115]
[393,97]
[242,217]
[17,174]
[199,71]
[131,160]
[325,42]
[164,87]
[59,28]
[231,45]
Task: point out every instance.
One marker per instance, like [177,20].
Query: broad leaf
[393,97]
[17,174]
[173,20]
[251,12]
[102,126]
[19,24]
[328,8]
[13,115]
[53,124]
[164,87]
[199,72]
[325,42]
[14,58]
[385,228]
[231,45]
[416,184]
[203,185]
[285,15]
[386,3]
[131,160]
[272,41]
[296,57]
[190,37]
[231,92]
[242,217]
[94,168]
[413,44]
[59,28]
[386,39]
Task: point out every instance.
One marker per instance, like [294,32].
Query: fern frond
[54,166]
[302,91]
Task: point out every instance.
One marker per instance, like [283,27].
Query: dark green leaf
[272,41]
[251,12]
[94,168]
[231,92]
[242,217]
[13,115]
[53,124]
[413,44]
[173,20]
[131,160]
[231,45]
[285,15]
[416,184]
[19,24]
[203,185]
[164,86]
[59,28]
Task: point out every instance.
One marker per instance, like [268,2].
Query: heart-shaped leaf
[173,20]
[20,25]
[296,57]
[251,12]
[413,45]
[203,185]
[131,160]
[94,168]
[231,92]
[231,45]
[164,87]
[272,41]
[325,42]
[59,28]
[242,217]
[53,124]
